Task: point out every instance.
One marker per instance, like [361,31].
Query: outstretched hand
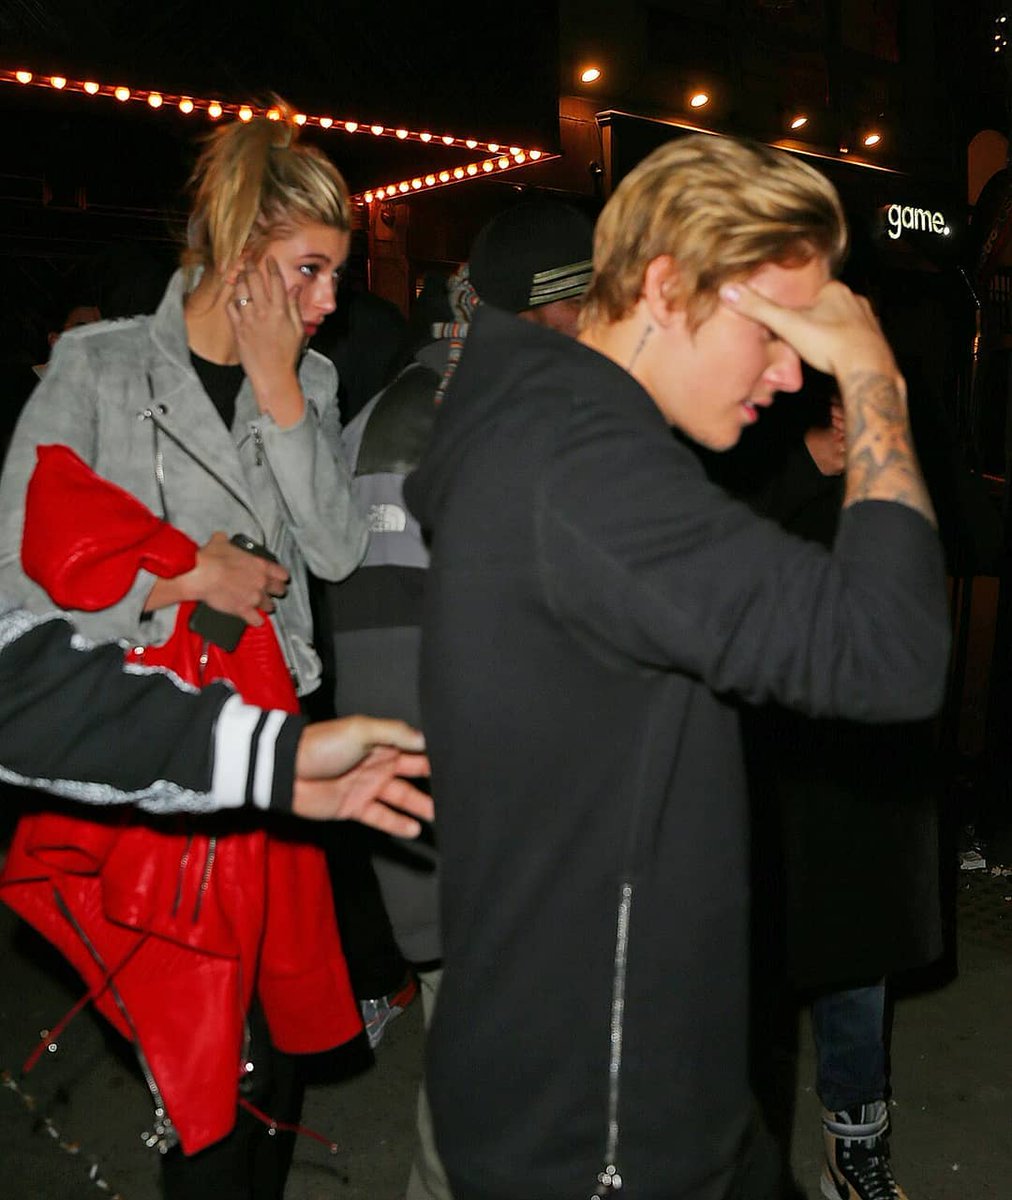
[358,769]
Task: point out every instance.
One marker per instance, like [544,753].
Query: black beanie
[532,254]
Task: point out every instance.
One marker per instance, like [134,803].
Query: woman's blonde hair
[254,182]
[721,208]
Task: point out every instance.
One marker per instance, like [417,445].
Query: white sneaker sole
[830,1191]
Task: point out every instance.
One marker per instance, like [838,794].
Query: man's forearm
[881,463]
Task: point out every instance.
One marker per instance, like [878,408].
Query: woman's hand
[227,578]
[269,338]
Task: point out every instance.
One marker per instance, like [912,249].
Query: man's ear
[662,290]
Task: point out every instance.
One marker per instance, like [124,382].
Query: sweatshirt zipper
[609,1180]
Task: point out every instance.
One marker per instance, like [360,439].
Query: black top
[592,604]
[222,382]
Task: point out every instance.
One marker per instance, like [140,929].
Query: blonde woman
[215,416]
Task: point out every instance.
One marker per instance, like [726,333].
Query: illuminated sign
[901,218]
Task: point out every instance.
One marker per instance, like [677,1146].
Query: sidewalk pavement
[951,1057]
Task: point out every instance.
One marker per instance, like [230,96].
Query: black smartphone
[225,629]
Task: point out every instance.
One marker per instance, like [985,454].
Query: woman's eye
[309,269]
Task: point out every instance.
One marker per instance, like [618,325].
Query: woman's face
[312,259]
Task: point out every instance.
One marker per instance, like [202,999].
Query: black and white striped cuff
[254,756]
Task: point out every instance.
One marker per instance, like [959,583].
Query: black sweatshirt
[594,610]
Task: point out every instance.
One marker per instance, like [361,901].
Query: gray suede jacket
[125,397]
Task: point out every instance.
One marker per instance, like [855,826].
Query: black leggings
[251,1163]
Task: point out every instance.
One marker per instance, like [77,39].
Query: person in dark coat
[845,861]
[595,608]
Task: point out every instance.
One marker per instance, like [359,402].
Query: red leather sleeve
[85,538]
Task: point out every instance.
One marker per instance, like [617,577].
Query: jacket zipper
[609,1180]
[163,1135]
[153,415]
[261,459]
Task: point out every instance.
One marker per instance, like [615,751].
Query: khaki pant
[428,1179]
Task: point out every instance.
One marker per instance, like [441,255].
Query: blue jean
[849,1029]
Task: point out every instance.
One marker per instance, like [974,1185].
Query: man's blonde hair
[721,208]
[254,182]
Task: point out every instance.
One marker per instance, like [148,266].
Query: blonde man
[595,610]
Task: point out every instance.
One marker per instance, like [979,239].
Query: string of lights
[445,178]
[503,158]
[215,109]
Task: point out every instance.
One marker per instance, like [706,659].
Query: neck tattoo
[648,330]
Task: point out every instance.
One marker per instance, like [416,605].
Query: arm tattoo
[881,464]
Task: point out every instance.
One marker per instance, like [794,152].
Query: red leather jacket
[174,924]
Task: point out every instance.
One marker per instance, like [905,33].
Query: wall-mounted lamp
[590,75]
[699,100]
[871,138]
[797,122]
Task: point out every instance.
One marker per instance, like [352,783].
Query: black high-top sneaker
[857,1155]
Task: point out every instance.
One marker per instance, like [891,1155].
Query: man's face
[711,384]
[561,315]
